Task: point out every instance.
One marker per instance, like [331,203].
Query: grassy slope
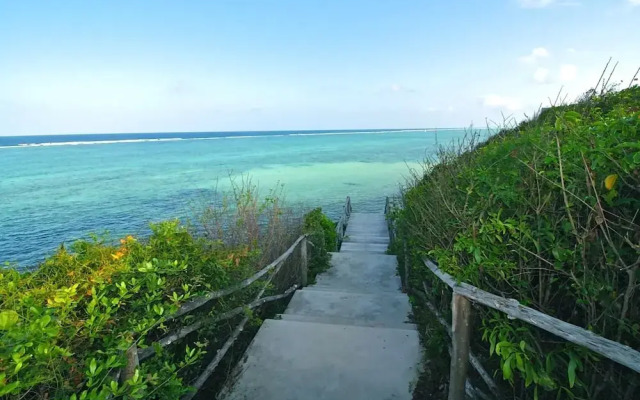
[545,213]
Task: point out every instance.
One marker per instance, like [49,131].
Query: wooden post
[461,308]
[406,267]
[304,262]
[132,363]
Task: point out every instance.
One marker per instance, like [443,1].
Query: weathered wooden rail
[341,226]
[388,205]
[464,294]
[135,355]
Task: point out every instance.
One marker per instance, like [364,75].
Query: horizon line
[239,131]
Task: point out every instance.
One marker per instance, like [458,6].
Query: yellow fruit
[610,181]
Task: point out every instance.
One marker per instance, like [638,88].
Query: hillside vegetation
[546,213]
[65,326]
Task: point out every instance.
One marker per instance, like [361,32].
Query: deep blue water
[55,189]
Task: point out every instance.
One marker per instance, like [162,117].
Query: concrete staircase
[346,337]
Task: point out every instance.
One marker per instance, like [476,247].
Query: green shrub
[322,232]
[546,213]
[81,309]
[64,326]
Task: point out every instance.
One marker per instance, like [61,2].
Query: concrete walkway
[346,337]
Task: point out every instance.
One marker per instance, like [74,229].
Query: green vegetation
[65,326]
[546,213]
[323,235]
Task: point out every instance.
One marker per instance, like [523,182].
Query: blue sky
[161,66]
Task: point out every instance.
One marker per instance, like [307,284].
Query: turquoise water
[62,191]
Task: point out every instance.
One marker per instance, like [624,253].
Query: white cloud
[536,54]
[397,88]
[541,75]
[535,3]
[572,50]
[497,101]
[634,2]
[568,72]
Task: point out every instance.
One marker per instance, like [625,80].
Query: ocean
[56,189]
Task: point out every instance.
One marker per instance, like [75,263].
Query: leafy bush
[64,327]
[546,213]
[323,235]
[71,319]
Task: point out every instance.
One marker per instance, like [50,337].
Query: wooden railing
[135,355]
[341,226]
[388,205]
[459,330]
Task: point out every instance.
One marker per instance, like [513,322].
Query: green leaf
[45,321]
[558,124]
[571,371]
[477,255]
[8,319]
[519,362]
[503,348]
[18,367]
[92,366]
[6,389]
[549,364]
[529,375]
[572,117]
[158,309]
[506,369]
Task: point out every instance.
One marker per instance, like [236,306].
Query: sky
[177,66]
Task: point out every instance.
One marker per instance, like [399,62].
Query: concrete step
[372,224]
[366,238]
[343,321]
[366,247]
[293,360]
[360,272]
[381,231]
[367,217]
[379,309]
[338,290]
[364,225]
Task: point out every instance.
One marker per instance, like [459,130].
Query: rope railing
[464,293]
[135,355]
